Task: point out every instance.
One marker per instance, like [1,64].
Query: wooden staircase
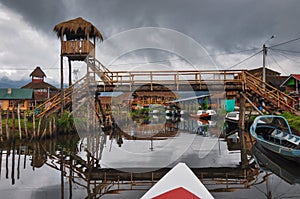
[53,104]
[258,91]
[80,87]
[97,68]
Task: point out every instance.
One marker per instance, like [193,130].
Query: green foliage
[65,123]
[293,120]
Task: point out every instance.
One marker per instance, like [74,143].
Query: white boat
[233,116]
[180,182]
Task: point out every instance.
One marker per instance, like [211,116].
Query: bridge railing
[173,77]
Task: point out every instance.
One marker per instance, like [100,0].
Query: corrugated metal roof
[110,94]
[296,76]
[15,93]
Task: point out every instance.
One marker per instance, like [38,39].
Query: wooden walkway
[99,77]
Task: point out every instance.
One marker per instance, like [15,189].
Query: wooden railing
[97,68]
[77,47]
[53,104]
[279,99]
[249,83]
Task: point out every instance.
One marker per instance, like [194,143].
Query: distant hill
[5,82]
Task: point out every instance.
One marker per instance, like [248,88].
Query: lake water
[36,169]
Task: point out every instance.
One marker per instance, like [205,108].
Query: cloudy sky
[230,31]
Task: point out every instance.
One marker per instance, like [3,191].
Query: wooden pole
[13,121]
[50,127]
[0,162]
[39,128]
[33,125]
[6,161]
[25,124]
[44,133]
[25,154]
[70,177]
[19,162]
[19,122]
[70,72]
[61,73]
[61,85]
[1,133]
[6,126]
[242,131]
[62,173]
[13,163]
[54,126]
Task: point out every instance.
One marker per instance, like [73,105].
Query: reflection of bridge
[85,172]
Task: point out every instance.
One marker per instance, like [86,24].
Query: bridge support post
[244,161]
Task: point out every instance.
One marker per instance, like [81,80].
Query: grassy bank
[63,125]
[294,121]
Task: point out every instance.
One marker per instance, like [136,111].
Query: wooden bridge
[100,78]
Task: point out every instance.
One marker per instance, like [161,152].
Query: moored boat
[267,161]
[274,133]
[204,114]
[233,116]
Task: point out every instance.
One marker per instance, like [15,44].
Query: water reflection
[70,167]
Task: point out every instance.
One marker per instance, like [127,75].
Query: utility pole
[265,49]
[264,64]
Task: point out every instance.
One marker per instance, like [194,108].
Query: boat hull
[288,153]
[273,139]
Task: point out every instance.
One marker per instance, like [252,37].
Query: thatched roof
[37,73]
[77,29]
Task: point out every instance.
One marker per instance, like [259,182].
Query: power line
[244,60]
[289,41]
[273,58]
[290,51]
[180,59]
[287,57]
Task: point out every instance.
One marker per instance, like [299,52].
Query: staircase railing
[54,103]
[98,68]
[279,99]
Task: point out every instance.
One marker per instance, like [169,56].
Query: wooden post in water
[54,126]
[50,127]
[13,121]
[39,128]
[6,161]
[70,176]
[19,122]
[25,124]
[25,154]
[0,161]
[62,173]
[19,161]
[6,126]
[1,133]
[13,162]
[33,125]
[242,131]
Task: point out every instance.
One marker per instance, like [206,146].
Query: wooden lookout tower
[78,39]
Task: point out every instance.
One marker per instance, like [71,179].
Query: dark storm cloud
[42,14]
[220,25]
